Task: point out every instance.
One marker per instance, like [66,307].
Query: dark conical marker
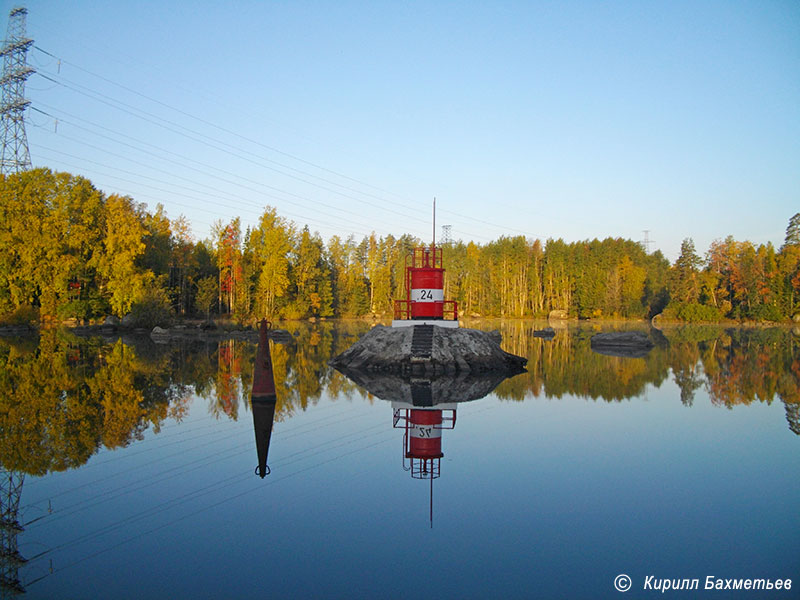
[263,381]
[263,417]
[263,398]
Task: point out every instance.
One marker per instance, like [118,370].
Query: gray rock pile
[450,350]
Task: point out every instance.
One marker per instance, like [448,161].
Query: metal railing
[402,310]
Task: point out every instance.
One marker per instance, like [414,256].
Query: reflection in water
[735,366]
[10,558]
[422,439]
[263,418]
[461,387]
[423,408]
[263,398]
[64,399]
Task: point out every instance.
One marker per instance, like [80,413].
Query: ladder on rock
[422,341]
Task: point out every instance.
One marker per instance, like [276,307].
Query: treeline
[69,251]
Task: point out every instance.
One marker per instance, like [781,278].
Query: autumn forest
[69,251]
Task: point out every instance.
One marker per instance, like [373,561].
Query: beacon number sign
[427,295]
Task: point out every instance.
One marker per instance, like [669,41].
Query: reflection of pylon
[10,558]
[15,156]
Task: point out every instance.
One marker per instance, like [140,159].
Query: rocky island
[429,350]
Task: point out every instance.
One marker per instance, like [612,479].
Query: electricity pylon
[15,156]
[10,558]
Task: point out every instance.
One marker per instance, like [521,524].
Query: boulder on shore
[452,350]
[159,335]
[628,344]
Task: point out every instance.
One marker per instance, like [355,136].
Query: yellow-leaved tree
[123,244]
[269,245]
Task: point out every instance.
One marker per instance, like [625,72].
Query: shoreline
[225,329]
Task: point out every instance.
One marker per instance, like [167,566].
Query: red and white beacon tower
[424,303]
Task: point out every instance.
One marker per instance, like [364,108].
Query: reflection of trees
[65,398]
[747,365]
[740,366]
[227,389]
[60,403]
[689,380]
[566,365]
[62,400]
[684,359]
[301,371]
[222,373]
[736,366]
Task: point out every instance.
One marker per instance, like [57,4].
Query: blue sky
[569,120]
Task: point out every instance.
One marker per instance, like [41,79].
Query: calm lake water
[130,468]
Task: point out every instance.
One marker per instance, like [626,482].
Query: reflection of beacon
[422,440]
[263,398]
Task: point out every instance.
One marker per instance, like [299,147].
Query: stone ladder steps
[422,341]
[421,393]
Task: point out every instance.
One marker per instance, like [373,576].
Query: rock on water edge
[460,350]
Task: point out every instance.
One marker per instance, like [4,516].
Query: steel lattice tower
[447,234]
[15,156]
[10,558]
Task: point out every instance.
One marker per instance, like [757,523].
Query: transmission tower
[646,241]
[16,156]
[10,558]
[446,234]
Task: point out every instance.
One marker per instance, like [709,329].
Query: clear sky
[569,120]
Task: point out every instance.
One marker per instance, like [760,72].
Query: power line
[224,129]
[171,125]
[201,167]
[221,196]
[209,141]
[237,151]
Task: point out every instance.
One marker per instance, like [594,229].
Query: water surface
[130,469]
